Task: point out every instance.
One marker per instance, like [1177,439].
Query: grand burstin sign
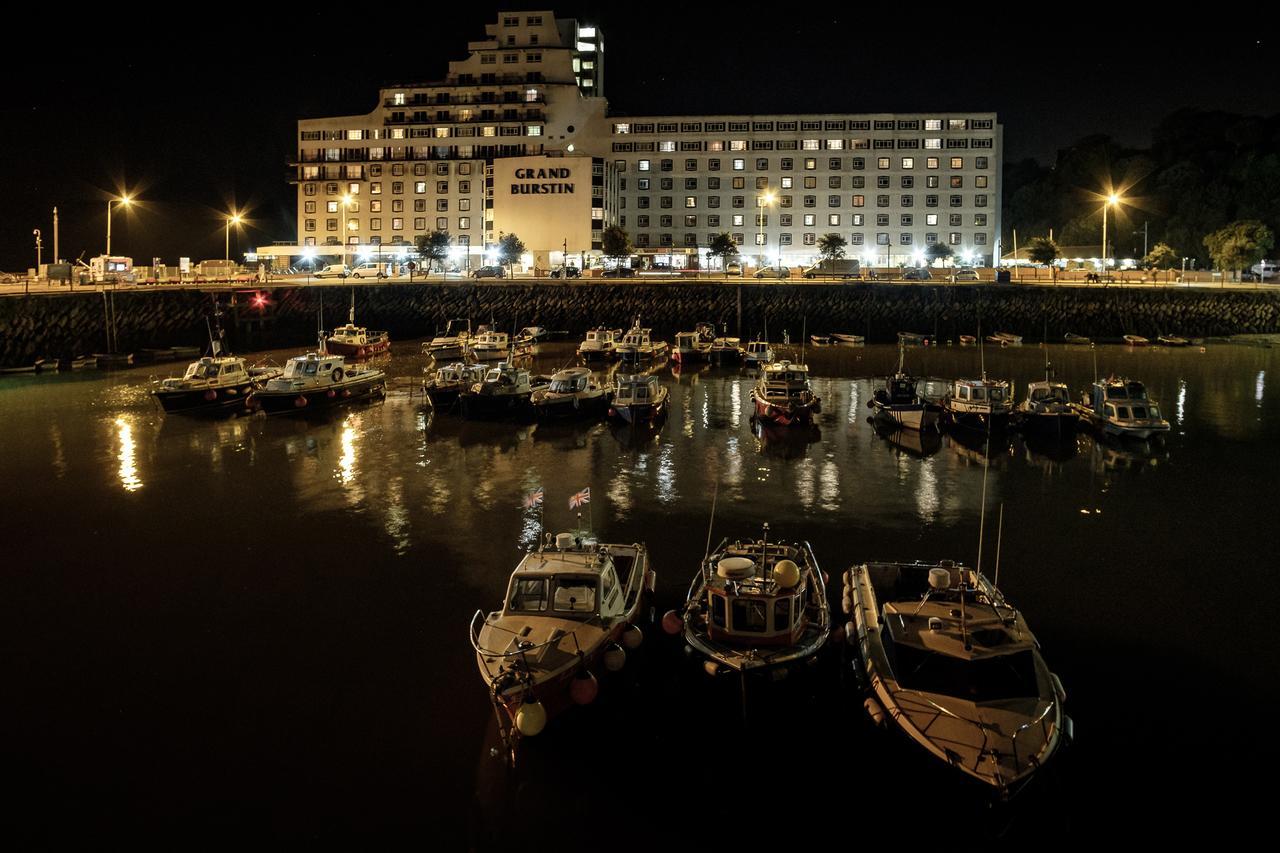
[550,182]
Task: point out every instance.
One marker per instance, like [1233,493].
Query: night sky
[201,120]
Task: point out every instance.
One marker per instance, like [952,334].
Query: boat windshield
[529,595]
[1011,676]
[574,593]
[569,385]
[202,371]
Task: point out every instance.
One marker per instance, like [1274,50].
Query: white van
[1266,271]
[369,269]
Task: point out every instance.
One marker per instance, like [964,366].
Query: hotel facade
[518,139]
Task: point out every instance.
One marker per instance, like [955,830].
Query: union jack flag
[582,497]
[534,498]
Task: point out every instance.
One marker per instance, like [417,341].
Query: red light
[260,300]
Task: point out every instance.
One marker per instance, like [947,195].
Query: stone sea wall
[71,324]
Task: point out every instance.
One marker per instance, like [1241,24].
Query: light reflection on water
[127,456]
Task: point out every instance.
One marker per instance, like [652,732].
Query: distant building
[518,139]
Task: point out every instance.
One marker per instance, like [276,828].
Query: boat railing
[982,729]
[523,648]
[1039,721]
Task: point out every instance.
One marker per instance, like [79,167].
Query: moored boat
[755,606]
[967,340]
[695,345]
[982,404]
[899,401]
[450,343]
[1136,340]
[317,381]
[504,392]
[1076,340]
[219,383]
[638,345]
[782,394]
[1121,407]
[849,339]
[569,611]
[727,350]
[1047,410]
[758,353]
[443,385]
[600,343]
[1173,341]
[954,666]
[489,345]
[1005,339]
[638,399]
[356,342]
[572,393]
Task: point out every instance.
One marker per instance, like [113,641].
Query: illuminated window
[643,165]
[833,219]
[931,219]
[738,145]
[739,164]
[957,162]
[810,220]
[908,162]
[786,183]
[690,201]
[835,144]
[810,145]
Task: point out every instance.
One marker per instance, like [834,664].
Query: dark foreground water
[255,628]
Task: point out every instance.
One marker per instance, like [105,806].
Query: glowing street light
[123,200]
[762,204]
[1110,201]
[233,219]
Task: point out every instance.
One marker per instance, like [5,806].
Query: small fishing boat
[109,360]
[1004,339]
[319,380]
[758,353]
[899,402]
[911,338]
[504,392]
[79,362]
[638,345]
[532,334]
[356,342]
[1136,340]
[968,340]
[572,393]
[1173,341]
[600,343]
[569,611]
[755,606]
[1076,340]
[782,394]
[821,340]
[443,385]
[1121,407]
[954,666]
[451,343]
[489,345]
[638,399]
[1047,410]
[217,383]
[22,368]
[695,345]
[980,404]
[849,339]
[727,350]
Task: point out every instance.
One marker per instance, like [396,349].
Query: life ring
[337,374]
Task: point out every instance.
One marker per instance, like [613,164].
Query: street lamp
[233,219]
[346,203]
[762,205]
[1112,199]
[124,200]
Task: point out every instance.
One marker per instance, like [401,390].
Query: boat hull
[977,421]
[640,413]
[1049,424]
[489,406]
[917,416]
[790,414]
[444,399]
[196,400]
[380,346]
[572,408]
[312,399]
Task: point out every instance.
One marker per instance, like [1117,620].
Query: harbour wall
[75,323]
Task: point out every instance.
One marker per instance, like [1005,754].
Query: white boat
[1047,411]
[727,350]
[848,339]
[451,343]
[757,605]
[220,383]
[504,391]
[638,399]
[980,404]
[532,334]
[1005,339]
[956,668]
[638,345]
[782,395]
[319,380]
[600,343]
[445,384]
[569,611]
[1121,407]
[695,345]
[899,401]
[572,393]
[489,345]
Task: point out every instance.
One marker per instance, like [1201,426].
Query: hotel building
[518,139]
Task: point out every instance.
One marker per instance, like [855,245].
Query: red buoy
[331,393]
[671,622]
[584,688]
[211,395]
[300,402]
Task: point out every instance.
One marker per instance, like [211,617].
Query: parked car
[733,268]
[965,275]
[488,272]
[369,269]
[619,272]
[334,271]
[916,274]
[773,272]
[566,272]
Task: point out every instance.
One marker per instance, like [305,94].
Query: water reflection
[785,442]
[127,456]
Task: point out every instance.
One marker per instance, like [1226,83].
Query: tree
[1042,250]
[935,252]
[723,247]
[616,244]
[434,247]
[1161,257]
[1239,245]
[510,248]
[831,246]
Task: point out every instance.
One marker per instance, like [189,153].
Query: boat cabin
[507,375]
[211,369]
[756,595]
[312,365]
[902,390]
[1042,394]
[458,373]
[631,390]
[981,394]
[603,336]
[571,581]
[636,337]
[1123,400]
[350,334]
[570,381]
[784,380]
[758,349]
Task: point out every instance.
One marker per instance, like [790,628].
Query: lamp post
[346,226]
[233,219]
[762,205]
[1111,199]
[124,200]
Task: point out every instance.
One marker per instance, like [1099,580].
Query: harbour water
[256,627]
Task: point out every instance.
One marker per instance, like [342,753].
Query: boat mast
[999,537]
[714,494]
[351,315]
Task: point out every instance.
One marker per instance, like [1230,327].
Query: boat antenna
[715,492]
[804,335]
[1094,348]
[982,351]
[999,536]
[351,315]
